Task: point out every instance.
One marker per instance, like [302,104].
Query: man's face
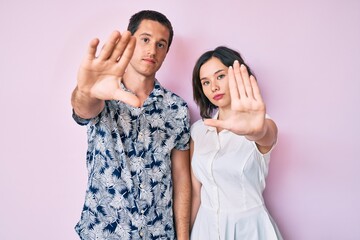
[152,39]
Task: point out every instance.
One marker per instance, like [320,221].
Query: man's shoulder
[173,98]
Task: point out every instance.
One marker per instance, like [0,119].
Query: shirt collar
[210,128]
[158,91]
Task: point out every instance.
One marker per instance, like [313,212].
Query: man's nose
[151,49]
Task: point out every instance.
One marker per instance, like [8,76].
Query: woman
[230,151]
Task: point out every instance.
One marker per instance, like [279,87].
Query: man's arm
[182,192]
[84,105]
[99,77]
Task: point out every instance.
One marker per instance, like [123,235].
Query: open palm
[101,76]
[247,107]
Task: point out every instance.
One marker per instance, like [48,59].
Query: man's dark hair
[137,18]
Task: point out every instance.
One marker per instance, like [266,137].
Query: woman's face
[215,83]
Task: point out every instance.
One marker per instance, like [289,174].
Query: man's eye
[145,40]
[161,45]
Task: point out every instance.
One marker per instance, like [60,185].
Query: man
[138,137]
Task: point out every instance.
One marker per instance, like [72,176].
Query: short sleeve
[195,129]
[79,120]
[183,142]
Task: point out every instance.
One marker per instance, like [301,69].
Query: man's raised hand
[100,76]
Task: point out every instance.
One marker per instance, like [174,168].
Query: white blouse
[232,172]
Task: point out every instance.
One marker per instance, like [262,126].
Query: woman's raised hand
[247,115]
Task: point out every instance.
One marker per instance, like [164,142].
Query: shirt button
[141,233]
[142,211]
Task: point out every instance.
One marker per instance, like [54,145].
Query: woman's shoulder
[198,124]
[196,127]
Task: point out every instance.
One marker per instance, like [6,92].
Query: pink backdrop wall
[306,55]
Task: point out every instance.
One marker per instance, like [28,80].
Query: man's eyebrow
[149,35]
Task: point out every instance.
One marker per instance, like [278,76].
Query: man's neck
[139,85]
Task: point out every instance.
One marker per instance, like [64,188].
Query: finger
[120,46]
[127,55]
[91,54]
[239,80]
[255,88]
[109,46]
[215,123]
[246,81]
[126,97]
[234,92]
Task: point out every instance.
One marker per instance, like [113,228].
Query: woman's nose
[214,87]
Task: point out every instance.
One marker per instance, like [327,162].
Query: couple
[140,183]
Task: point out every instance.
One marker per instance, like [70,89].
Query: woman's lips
[218,96]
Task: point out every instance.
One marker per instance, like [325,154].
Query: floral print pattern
[129,193]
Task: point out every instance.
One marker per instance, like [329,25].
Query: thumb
[214,123]
[127,97]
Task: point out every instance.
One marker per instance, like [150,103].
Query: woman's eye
[205,83]
[221,76]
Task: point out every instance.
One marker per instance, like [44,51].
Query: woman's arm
[196,186]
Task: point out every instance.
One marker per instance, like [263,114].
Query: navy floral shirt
[129,194]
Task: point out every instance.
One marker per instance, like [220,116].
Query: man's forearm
[182,203]
[181,192]
[85,106]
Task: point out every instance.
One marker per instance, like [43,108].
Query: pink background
[306,55]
